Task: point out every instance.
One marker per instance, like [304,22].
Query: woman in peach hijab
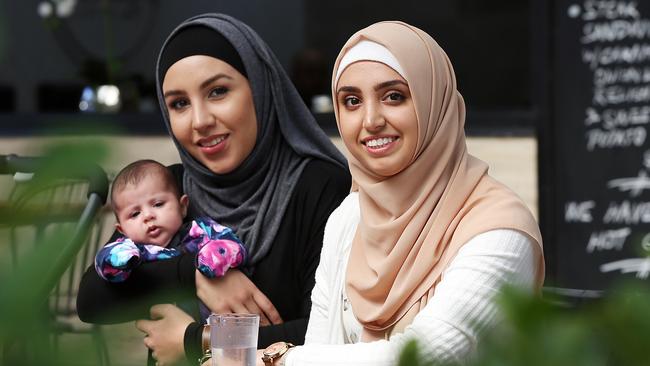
[427,238]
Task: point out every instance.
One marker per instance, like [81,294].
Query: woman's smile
[380,145]
[213,144]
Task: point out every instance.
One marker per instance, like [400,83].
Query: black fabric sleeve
[102,302]
[192,342]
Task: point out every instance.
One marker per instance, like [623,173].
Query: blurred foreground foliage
[611,331]
[26,326]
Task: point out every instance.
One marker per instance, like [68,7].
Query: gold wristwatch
[275,351]
[206,353]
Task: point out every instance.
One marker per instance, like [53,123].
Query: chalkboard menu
[600,119]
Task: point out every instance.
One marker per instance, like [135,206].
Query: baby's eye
[134,214]
[159,204]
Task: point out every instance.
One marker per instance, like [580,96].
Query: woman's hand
[235,293]
[165,332]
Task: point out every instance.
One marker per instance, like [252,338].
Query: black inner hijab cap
[199,40]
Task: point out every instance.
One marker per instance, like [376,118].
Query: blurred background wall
[51,49]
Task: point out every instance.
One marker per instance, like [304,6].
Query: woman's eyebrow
[211,80]
[170,93]
[348,89]
[203,85]
[387,84]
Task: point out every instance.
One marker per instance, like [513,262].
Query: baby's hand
[124,255]
[115,261]
[217,256]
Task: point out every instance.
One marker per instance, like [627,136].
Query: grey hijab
[253,198]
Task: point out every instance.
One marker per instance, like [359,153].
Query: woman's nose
[373,119]
[202,117]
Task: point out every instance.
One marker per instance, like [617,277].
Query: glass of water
[233,339]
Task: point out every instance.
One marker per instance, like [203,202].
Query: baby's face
[149,212]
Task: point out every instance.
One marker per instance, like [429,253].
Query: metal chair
[38,209]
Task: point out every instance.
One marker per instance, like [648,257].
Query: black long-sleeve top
[285,275]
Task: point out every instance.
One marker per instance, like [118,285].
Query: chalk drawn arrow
[635,185]
[639,265]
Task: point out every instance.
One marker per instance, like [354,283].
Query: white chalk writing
[618,118]
[598,138]
[617,54]
[615,47]
[639,265]
[615,30]
[620,103]
[626,212]
[579,211]
[609,9]
[634,185]
[604,76]
[617,94]
[608,240]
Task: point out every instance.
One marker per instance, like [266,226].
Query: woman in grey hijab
[254,159]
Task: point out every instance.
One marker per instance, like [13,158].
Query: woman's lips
[380,145]
[213,144]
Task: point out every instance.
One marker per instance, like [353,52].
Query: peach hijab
[414,222]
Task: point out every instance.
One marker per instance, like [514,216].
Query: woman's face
[377,117]
[211,111]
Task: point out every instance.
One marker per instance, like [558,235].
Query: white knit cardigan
[448,326]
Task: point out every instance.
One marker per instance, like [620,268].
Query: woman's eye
[395,97]
[351,101]
[218,91]
[177,104]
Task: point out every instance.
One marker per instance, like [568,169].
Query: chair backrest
[52,228]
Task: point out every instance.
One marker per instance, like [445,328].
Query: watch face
[275,348]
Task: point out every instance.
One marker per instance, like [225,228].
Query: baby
[150,210]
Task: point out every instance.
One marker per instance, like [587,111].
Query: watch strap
[205,338]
